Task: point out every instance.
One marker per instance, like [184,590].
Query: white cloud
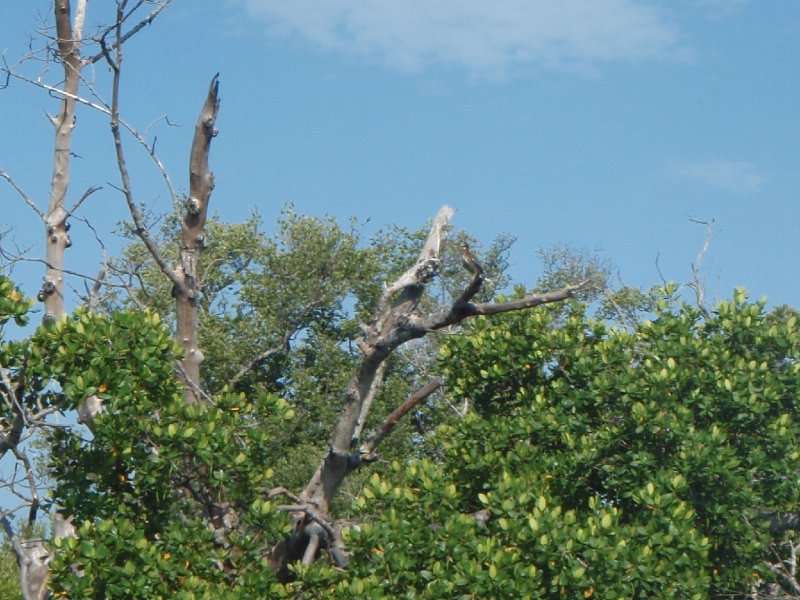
[481,36]
[732,176]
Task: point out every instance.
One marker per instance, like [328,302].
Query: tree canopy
[314,414]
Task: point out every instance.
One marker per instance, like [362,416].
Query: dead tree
[201,182]
[398,319]
[396,322]
[184,276]
[70,40]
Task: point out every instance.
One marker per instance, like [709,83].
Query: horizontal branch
[493,308]
[12,258]
[462,310]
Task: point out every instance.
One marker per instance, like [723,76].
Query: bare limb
[282,491]
[785,578]
[150,149]
[20,455]
[313,545]
[255,360]
[396,323]
[64,271]
[141,230]
[697,283]
[57,92]
[368,400]
[28,200]
[368,449]
[79,201]
[93,296]
[134,30]
[462,310]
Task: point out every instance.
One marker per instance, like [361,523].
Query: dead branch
[148,20]
[141,231]
[462,310]
[368,449]
[14,259]
[785,578]
[264,354]
[368,400]
[697,280]
[79,201]
[428,262]
[396,323]
[33,559]
[106,110]
[92,301]
[28,200]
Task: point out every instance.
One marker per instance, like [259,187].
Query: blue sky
[605,124]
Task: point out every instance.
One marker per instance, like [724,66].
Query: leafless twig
[28,200]
[697,283]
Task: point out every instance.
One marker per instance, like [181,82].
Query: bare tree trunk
[33,556]
[69,38]
[201,183]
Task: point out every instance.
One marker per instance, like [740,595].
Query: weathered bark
[32,555]
[201,183]
[387,332]
[33,559]
[396,323]
[68,38]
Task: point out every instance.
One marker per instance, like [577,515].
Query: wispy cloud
[732,176]
[481,36]
[719,7]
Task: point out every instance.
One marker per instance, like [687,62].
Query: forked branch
[396,322]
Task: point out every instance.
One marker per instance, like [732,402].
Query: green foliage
[9,573]
[13,305]
[566,265]
[593,462]
[281,314]
[613,463]
[139,487]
